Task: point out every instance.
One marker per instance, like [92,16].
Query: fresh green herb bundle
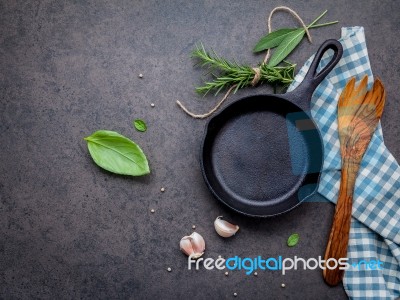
[231,73]
[227,74]
[285,40]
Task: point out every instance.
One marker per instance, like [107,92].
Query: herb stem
[322,25]
[318,18]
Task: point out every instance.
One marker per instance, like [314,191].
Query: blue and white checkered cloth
[375,226]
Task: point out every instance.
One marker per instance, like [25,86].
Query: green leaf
[293,240]
[140,125]
[286,46]
[116,153]
[272,39]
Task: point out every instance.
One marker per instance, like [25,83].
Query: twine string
[211,111]
[257,76]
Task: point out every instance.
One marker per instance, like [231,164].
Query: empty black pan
[262,155]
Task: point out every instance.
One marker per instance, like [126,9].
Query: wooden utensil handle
[339,236]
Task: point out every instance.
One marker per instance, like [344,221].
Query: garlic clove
[224,228]
[186,246]
[193,245]
[198,243]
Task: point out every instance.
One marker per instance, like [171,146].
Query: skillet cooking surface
[255,158]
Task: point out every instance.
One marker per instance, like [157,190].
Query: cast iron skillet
[262,155]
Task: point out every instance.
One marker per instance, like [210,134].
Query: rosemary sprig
[227,73]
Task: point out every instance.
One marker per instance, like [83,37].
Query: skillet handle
[312,79]
[302,94]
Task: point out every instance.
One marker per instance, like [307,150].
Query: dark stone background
[67,68]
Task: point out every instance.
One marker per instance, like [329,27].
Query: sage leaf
[272,39]
[140,125]
[293,240]
[116,153]
[286,46]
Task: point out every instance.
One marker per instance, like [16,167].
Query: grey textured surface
[67,68]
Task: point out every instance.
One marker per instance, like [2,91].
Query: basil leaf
[116,153]
[286,46]
[140,125]
[272,39]
[293,240]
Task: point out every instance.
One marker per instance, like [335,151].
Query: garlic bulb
[193,244]
[224,228]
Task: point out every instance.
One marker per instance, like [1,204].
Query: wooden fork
[359,112]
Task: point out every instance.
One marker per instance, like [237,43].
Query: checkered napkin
[375,226]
